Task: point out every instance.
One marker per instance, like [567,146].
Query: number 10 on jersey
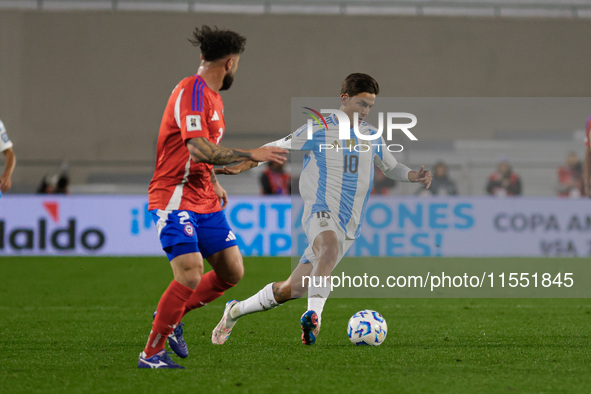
[350,163]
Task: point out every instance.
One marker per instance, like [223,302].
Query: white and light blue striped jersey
[337,175]
[5,142]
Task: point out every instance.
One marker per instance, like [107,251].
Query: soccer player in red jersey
[587,169]
[185,198]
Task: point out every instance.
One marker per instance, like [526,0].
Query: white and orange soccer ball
[367,327]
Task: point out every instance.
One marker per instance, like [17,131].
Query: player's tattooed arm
[237,169]
[204,151]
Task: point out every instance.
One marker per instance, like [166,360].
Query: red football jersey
[193,110]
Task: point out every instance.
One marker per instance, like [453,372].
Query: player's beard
[227,82]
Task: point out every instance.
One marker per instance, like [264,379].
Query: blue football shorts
[183,232]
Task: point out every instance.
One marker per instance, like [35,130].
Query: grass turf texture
[78,324]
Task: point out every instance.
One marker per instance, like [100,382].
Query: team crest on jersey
[193,122]
[189,230]
[322,216]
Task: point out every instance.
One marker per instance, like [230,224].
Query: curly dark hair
[359,83]
[216,44]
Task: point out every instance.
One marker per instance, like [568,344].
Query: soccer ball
[367,327]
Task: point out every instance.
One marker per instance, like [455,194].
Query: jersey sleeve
[386,162]
[5,142]
[383,159]
[284,143]
[296,140]
[190,110]
[300,140]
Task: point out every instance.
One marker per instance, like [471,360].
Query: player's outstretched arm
[421,176]
[399,172]
[237,169]
[283,143]
[204,151]
[6,178]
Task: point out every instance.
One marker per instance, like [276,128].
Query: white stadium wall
[90,87]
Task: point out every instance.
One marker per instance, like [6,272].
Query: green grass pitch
[78,324]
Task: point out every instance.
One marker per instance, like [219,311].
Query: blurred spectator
[587,167]
[55,184]
[63,181]
[8,152]
[48,185]
[275,180]
[570,177]
[504,182]
[382,184]
[441,185]
[63,184]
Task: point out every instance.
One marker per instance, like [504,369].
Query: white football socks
[261,301]
[318,292]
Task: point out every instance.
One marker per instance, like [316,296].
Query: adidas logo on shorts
[230,237]
[215,116]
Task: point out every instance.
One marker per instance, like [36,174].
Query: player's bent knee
[188,278]
[231,275]
[191,277]
[192,282]
[237,266]
[228,265]
[236,274]
[326,247]
[328,257]
[187,269]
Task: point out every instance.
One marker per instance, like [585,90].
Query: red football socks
[170,310]
[210,287]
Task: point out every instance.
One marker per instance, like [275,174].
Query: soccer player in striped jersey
[8,152]
[185,198]
[335,184]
